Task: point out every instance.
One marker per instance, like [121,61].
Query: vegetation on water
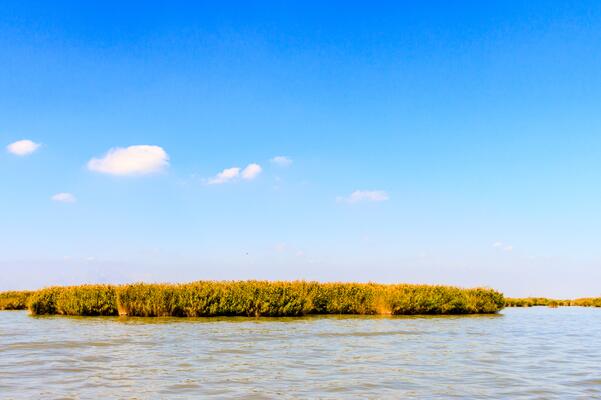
[14,300]
[535,301]
[262,298]
[543,301]
[587,302]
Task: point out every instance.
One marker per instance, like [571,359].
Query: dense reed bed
[543,301]
[14,300]
[535,301]
[256,298]
[262,298]
[587,302]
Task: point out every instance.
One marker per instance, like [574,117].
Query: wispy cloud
[230,174]
[251,171]
[364,196]
[22,147]
[280,247]
[283,248]
[281,161]
[224,176]
[502,246]
[132,160]
[64,198]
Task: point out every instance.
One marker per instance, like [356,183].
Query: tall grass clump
[534,302]
[587,302]
[262,298]
[206,298]
[75,300]
[14,300]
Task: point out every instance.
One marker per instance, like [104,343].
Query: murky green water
[521,353]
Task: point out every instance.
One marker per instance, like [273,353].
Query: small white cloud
[225,176]
[364,195]
[251,171]
[497,244]
[64,198]
[132,160]
[22,147]
[229,174]
[281,161]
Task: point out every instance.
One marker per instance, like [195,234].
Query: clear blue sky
[469,133]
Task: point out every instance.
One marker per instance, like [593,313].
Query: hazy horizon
[453,144]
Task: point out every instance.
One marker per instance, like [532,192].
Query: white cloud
[251,171]
[132,160]
[365,195]
[230,174]
[225,176]
[64,198]
[281,161]
[22,147]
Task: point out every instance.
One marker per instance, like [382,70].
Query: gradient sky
[432,142]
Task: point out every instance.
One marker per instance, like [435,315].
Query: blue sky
[433,142]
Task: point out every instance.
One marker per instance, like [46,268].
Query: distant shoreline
[546,302]
[254,298]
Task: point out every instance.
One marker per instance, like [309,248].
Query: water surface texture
[520,353]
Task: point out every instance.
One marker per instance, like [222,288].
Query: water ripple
[522,353]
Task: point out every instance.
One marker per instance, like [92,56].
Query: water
[520,353]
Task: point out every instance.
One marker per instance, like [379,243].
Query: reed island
[254,299]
